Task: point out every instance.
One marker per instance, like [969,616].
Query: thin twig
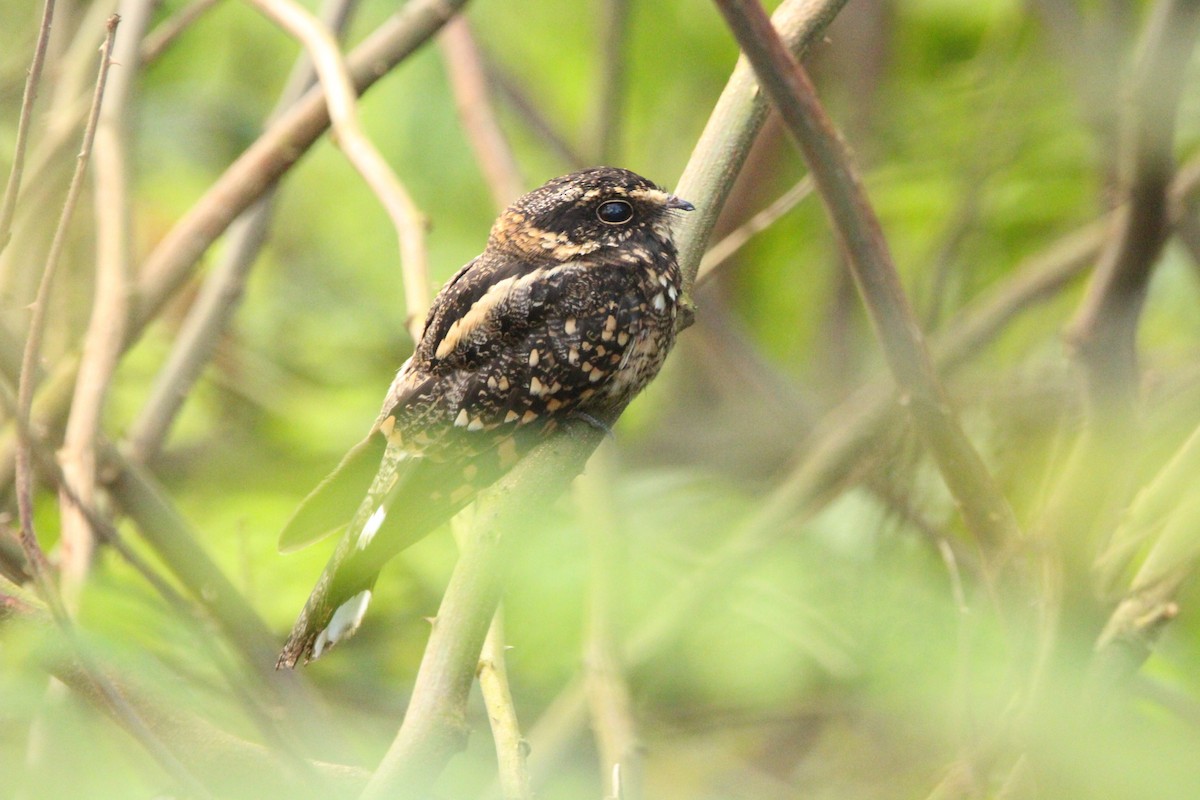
[511,748]
[33,342]
[723,250]
[985,510]
[220,297]
[609,701]
[469,83]
[342,100]
[156,42]
[32,82]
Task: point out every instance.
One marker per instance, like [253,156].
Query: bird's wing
[492,373]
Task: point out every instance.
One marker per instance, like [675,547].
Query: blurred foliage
[850,658]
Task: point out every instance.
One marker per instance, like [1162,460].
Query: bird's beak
[679,203]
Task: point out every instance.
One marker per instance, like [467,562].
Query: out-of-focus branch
[275,151]
[171,262]
[984,509]
[609,702]
[225,764]
[221,294]
[1167,511]
[610,87]
[1103,334]
[723,250]
[33,342]
[102,343]
[469,83]
[340,95]
[9,205]
[156,42]
[527,110]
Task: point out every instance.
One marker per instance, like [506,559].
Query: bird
[569,312]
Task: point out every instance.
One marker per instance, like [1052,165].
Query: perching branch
[434,726]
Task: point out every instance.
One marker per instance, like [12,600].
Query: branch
[156,42]
[511,748]
[610,88]
[110,303]
[33,343]
[220,296]
[340,95]
[274,152]
[984,509]
[435,726]
[725,249]
[9,205]
[1103,334]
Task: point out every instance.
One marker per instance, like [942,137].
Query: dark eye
[614,212]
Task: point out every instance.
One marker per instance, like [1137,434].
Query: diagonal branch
[340,95]
[984,509]
[8,206]
[33,342]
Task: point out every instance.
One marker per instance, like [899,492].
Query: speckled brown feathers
[570,309]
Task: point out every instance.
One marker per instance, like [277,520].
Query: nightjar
[569,311]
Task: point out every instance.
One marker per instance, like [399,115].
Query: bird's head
[586,212]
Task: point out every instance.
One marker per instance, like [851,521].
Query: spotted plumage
[570,310]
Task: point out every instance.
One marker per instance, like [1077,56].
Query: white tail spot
[345,621]
[371,528]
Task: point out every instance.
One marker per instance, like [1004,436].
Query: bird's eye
[614,212]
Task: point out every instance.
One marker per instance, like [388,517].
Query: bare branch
[511,748]
[32,82]
[33,342]
[102,343]
[340,94]
[985,511]
[220,297]
[1104,331]
[273,153]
